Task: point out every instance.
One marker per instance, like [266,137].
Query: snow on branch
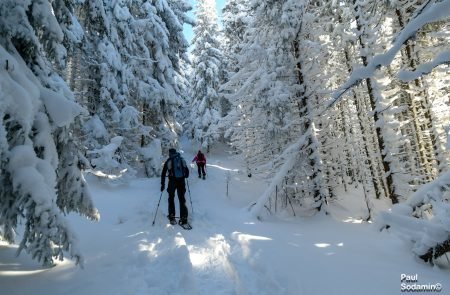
[106,156]
[423,219]
[425,68]
[434,13]
[289,155]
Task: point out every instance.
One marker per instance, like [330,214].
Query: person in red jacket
[200,160]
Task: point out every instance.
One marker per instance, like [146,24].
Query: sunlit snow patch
[222,168]
[322,245]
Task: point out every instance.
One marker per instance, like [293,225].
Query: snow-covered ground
[227,252]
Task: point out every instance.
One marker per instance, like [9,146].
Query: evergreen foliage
[320,97]
[206,76]
[40,179]
[311,111]
[84,85]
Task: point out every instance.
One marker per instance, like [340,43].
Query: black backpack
[177,167]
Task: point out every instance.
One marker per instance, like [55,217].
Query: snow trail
[228,251]
[219,263]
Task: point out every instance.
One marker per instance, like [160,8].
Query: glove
[162,187]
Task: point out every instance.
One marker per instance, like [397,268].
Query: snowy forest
[319,99]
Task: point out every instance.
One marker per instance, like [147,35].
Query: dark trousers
[201,169]
[177,184]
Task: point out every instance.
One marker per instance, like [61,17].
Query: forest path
[226,252]
[214,257]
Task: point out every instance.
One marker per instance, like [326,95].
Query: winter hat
[172,151]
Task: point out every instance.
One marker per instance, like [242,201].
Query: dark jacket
[166,168]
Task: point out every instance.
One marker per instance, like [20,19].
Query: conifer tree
[205,79]
[40,177]
[133,54]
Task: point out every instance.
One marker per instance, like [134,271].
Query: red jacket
[199,159]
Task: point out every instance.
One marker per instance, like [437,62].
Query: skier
[200,160]
[178,171]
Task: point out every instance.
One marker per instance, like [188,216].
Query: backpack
[177,167]
[201,158]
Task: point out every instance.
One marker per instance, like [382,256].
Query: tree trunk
[377,184]
[380,139]
[415,110]
[305,115]
[144,121]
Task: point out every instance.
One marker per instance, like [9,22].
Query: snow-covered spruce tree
[365,18]
[171,69]
[180,60]
[235,18]
[411,153]
[423,217]
[402,116]
[407,139]
[271,102]
[103,87]
[39,172]
[424,119]
[73,191]
[260,91]
[183,81]
[175,16]
[347,146]
[436,36]
[205,78]
[132,87]
[162,86]
[370,124]
[306,185]
[355,139]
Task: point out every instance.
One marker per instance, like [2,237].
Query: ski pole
[190,198]
[157,208]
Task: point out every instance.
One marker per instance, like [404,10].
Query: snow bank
[424,218]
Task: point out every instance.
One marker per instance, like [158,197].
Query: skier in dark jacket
[200,160]
[178,171]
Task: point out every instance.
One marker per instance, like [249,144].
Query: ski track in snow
[209,259]
[204,260]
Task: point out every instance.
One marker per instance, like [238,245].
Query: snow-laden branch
[436,12]
[289,155]
[429,232]
[425,68]
[430,190]
[106,159]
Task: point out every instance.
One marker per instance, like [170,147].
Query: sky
[188,32]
